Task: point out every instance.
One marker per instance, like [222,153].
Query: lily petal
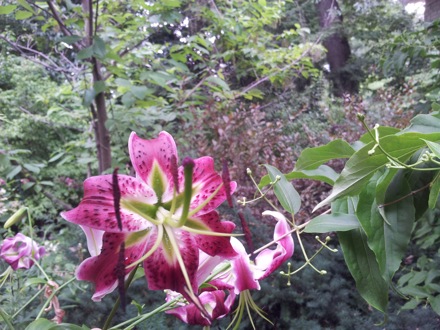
[96,210]
[163,270]
[269,260]
[243,276]
[205,182]
[214,245]
[100,269]
[94,240]
[143,154]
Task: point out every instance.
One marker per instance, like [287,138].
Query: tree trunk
[338,48]
[432,10]
[99,109]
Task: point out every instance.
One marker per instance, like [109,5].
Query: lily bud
[16,217]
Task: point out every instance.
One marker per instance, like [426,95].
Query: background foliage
[245,81]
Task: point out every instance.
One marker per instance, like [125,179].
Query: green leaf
[99,47]
[89,96]
[387,239]
[322,173]
[24,4]
[361,166]
[312,158]
[99,87]
[434,147]
[17,169]
[4,10]
[44,324]
[70,40]
[363,266]
[22,14]
[85,53]
[284,190]
[32,168]
[140,92]
[28,185]
[434,192]
[47,183]
[332,222]
[424,124]
[435,303]
[219,82]
[383,131]
[56,157]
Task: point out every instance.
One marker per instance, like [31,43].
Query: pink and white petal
[242,274]
[163,270]
[269,260]
[207,264]
[206,190]
[215,245]
[94,239]
[143,153]
[96,209]
[100,269]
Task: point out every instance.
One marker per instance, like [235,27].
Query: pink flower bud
[17,250]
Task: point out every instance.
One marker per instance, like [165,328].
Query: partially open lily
[239,275]
[167,215]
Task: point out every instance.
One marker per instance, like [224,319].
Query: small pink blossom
[18,250]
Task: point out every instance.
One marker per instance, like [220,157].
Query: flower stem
[40,268]
[118,301]
[55,291]
[140,318]
[28,302]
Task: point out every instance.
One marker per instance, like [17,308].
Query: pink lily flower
[161,226]
[18,250]
[237,276]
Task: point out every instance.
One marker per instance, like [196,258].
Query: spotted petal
[101,269]
[213,245]
[162,268]
[205,182]
[146,155]
[96,210]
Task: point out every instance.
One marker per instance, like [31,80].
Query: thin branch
[57,17]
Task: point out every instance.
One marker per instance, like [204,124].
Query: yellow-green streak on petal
[157,181]
[136,237]
[196,225]
[167,246]
[146,211]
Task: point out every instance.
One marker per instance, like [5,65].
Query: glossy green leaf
[364,268]
[284,190]
[361,166]
[424,124]
[312,158]
[435,303]
[332,222]
[322,173]
[383,131]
